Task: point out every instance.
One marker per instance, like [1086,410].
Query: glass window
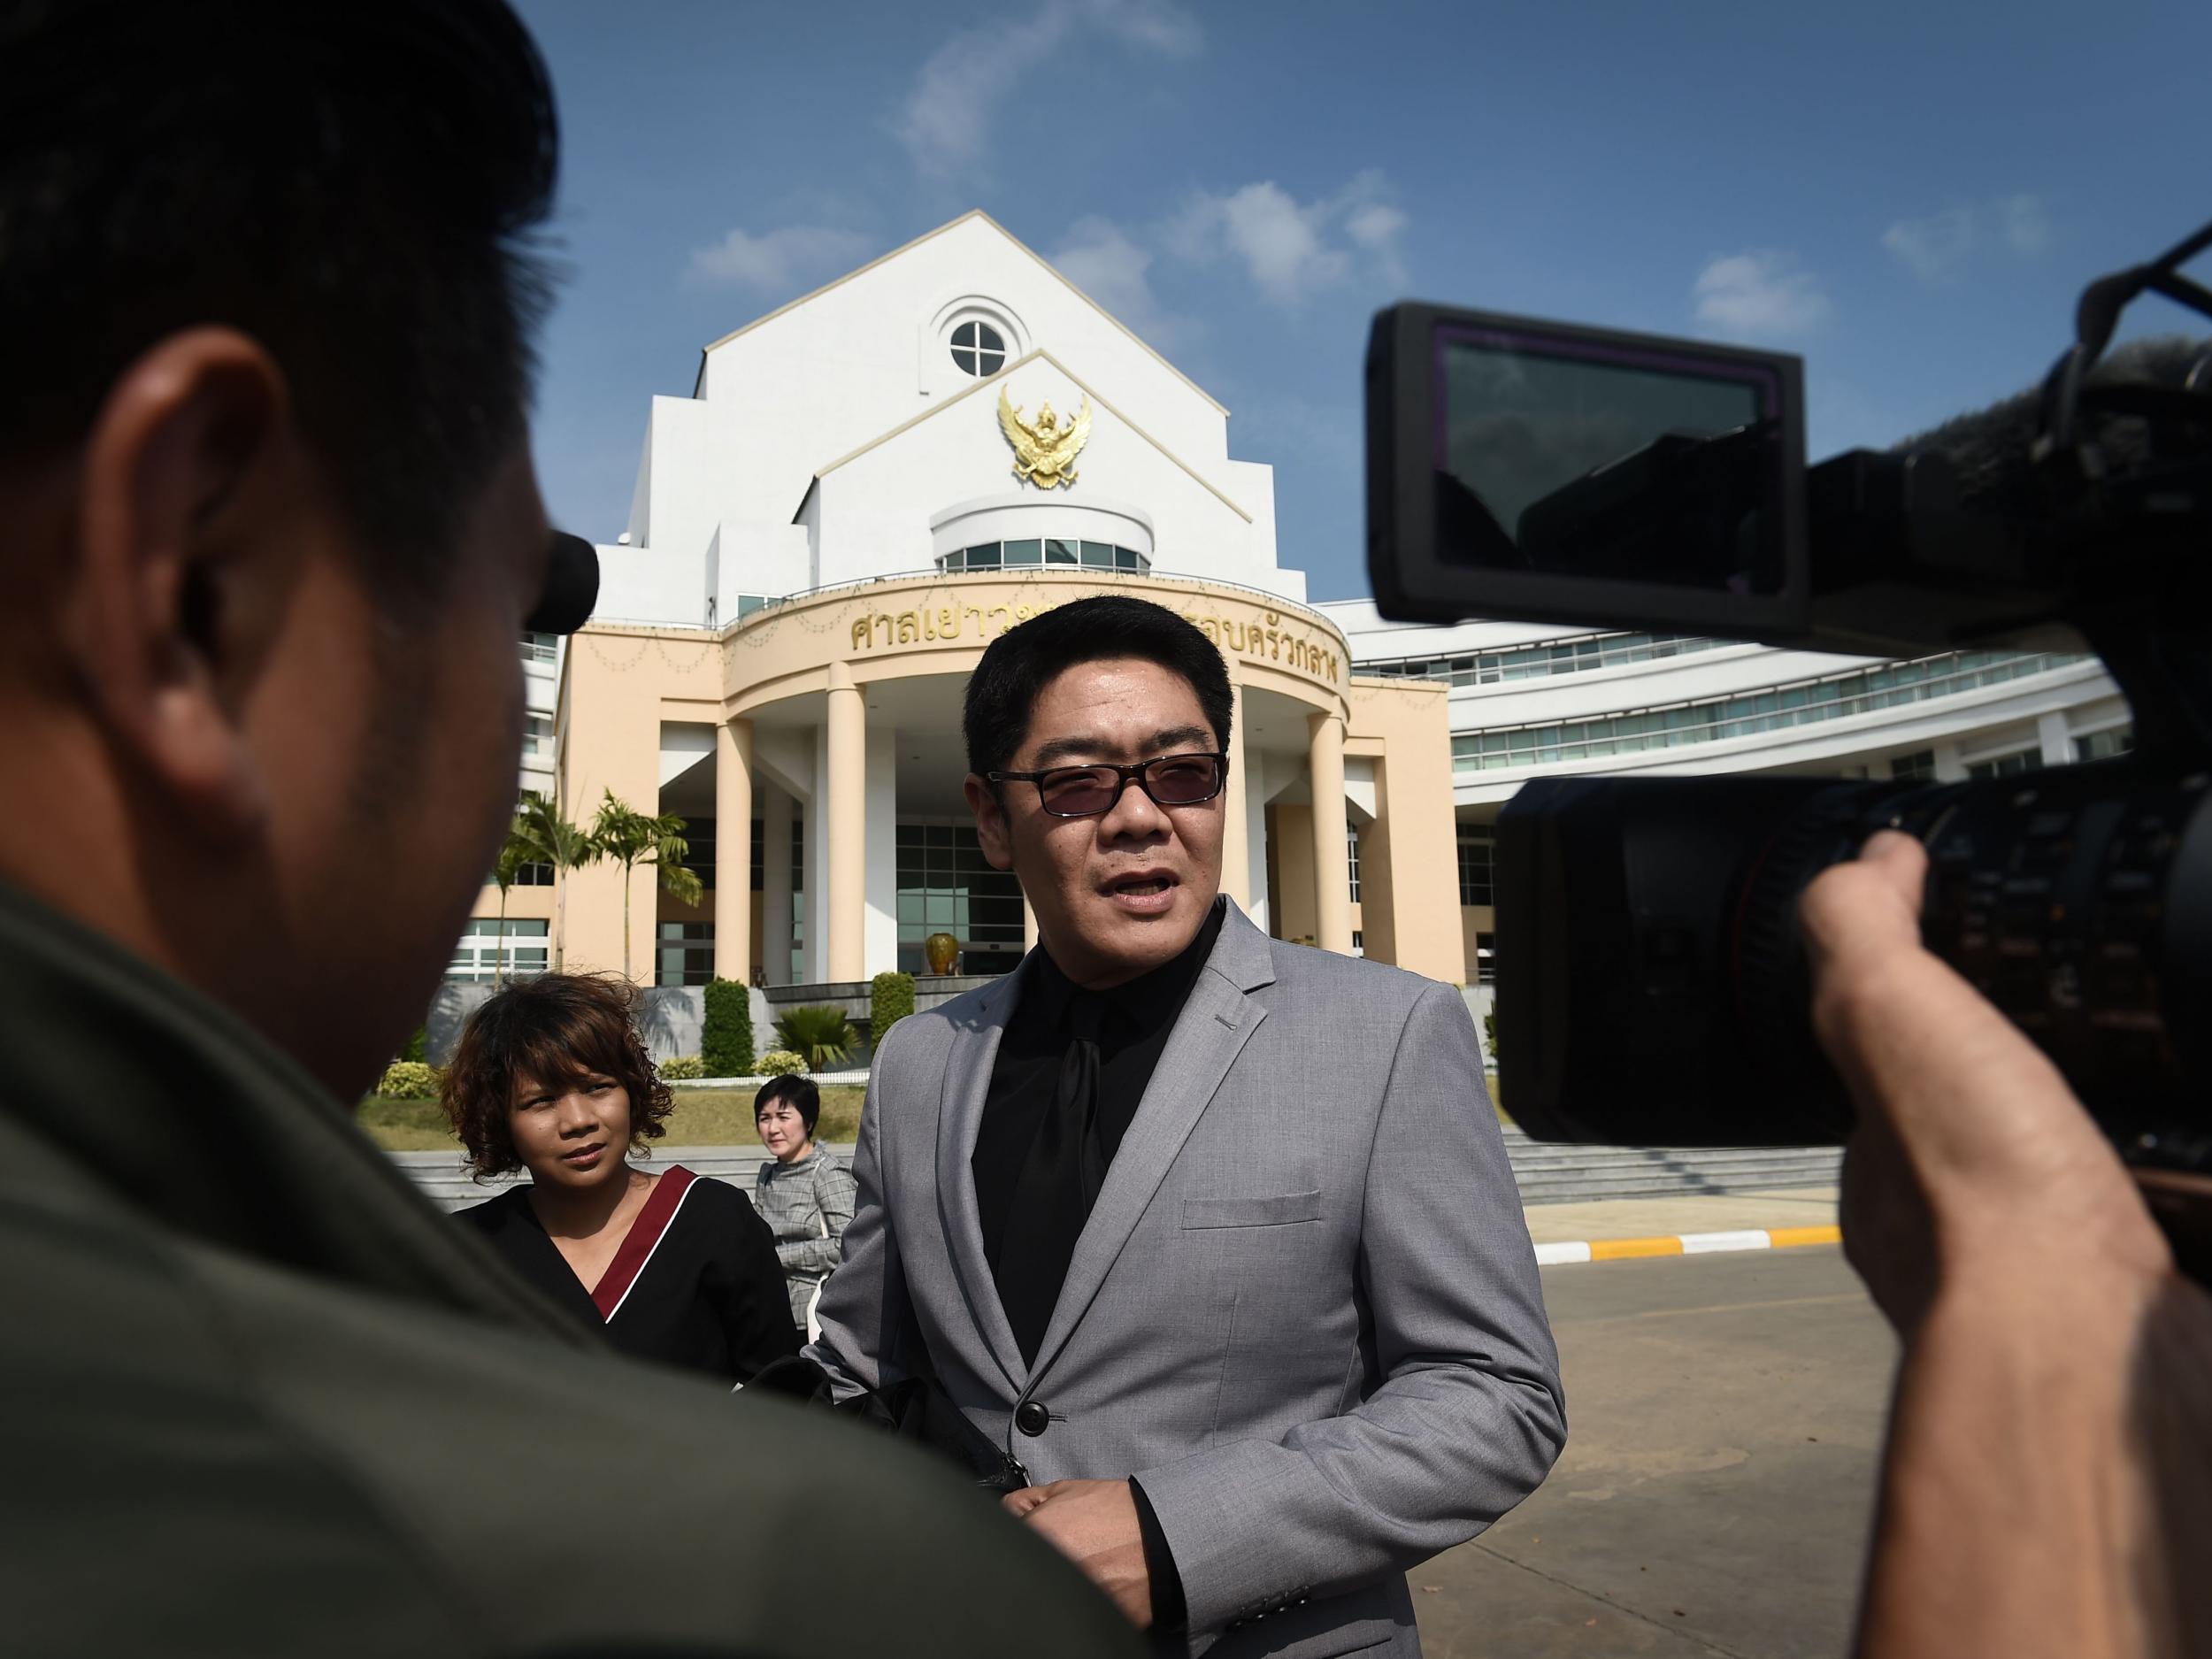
[699,859]
[2119,740]
[2009,766]
[945,885]
[1062,552]
[684,954]
[537,735]
[1127,558]
[477,955]
[984,558]
[1023,552]
[539,648]
[1478,864]
[978,348]
[1351,858]
[1486,958]
[1920,763]
[1099,555]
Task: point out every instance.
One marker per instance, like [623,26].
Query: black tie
[1059,1183]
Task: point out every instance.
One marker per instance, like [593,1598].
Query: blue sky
[1910,195]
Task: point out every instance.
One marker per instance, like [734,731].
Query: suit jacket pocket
[1252,1212]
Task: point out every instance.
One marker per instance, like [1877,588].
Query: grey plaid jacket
[809,1205]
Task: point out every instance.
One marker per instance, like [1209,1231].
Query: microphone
[1990,452]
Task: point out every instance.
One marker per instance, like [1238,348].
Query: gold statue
[1044,450]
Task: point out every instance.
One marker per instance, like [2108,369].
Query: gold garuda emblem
[1044,450]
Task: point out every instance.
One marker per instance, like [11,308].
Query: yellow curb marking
[1782,1238]
[1613,1250]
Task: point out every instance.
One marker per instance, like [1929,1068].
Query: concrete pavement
[1725,1417]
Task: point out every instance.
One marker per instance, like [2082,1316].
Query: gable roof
[1040,355]
[973,213]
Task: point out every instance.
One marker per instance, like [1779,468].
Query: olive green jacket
[260,1398]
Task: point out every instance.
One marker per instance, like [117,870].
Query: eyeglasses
[1088,791]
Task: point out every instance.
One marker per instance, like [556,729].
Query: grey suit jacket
[1304,1312]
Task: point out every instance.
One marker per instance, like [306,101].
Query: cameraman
[2047,1483]
[266,299]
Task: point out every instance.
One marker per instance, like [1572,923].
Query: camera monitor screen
[1593,459]
[1542,471]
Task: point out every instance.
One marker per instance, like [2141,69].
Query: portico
[839,711]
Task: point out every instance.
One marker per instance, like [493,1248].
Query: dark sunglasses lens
[572,587]
[1077,792]
[1184,780]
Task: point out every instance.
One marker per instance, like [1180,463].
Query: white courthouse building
[865,488]
[825,535]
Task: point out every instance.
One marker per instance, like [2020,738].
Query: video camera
[1652,987]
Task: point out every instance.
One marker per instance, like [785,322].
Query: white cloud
[945,122]
[2027,224]
[1763,294]
[1099,257]
[1293,248]
[1939,247]
[779,259]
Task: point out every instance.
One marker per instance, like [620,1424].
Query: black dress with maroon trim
[695,1283]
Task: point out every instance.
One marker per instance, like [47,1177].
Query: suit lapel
[959,1120]
[1217,1021]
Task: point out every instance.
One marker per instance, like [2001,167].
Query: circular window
[977,349]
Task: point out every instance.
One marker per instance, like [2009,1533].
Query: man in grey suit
[1215,1235]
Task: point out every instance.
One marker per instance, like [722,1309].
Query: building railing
[1538,661]
[1746,714]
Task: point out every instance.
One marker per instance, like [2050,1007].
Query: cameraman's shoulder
[436,1429]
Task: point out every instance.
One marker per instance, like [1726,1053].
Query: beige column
[1236,850]
[733,850]
[1331,872]
[775,884]
[844,801]
[1029,926]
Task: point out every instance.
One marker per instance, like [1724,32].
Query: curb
[1685,1244]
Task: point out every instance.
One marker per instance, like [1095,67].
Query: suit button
[1032,1417]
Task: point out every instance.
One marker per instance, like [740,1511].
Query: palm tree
[517,853]
[631,838]
[551,838]
[821,1036]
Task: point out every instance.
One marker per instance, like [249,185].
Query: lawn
[702,1117]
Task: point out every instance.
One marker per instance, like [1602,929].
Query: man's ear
[992,832]
[185,555]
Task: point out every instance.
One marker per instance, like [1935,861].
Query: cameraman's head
[270,523]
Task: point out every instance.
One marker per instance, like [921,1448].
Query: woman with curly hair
[551,1076]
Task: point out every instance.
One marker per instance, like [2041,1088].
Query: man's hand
[2042,1492]
[1973,1158]
[1093,1524]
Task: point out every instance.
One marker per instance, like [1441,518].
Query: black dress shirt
[1134,1022]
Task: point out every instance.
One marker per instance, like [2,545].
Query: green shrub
[890,1000]
[409,1079]
[1490,1034]
[725,1038]
[682,1069]
[779,1063]
[412,1049]
[820,1032]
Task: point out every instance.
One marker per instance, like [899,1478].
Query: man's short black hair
[353,185]
[1021,662]
[799,1093]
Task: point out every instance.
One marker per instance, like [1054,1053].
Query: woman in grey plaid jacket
[806,1196]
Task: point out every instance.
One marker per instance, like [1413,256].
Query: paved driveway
[1725,1415]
